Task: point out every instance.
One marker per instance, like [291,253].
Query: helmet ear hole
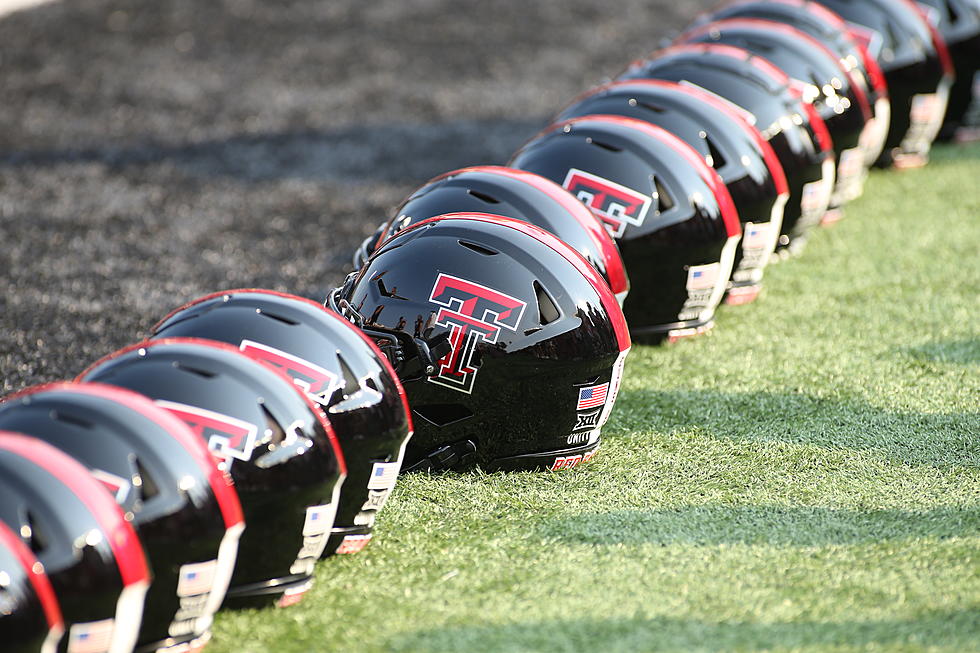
[547,310]
[442,414]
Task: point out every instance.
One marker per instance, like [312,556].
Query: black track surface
[151,152]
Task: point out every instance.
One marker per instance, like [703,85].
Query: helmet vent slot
[483,197]
[148,487]
[351,384]
[954,16]
[71,419]
[442,414]
[35,536]
[194,370]
[664,201]
[479,249]
[383,289]
[547,309]
[651,107]
[280,318]
[605,146]
[717,160]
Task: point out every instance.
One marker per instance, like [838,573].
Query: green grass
[806,478]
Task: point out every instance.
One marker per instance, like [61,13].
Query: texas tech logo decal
[226,436]
[472,313]
[616,205]
[316,381]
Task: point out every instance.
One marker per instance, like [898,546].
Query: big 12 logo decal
[473,313]
[616,205]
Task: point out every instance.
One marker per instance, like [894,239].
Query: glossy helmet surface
[75,529]
[722,135]
[959,23]
[917,68]
[510,345]
[835,92]
[186,513]
[514,194]
[675,222]
[277,446]
[792,126]
[338,367]
[832,32]
[30,617]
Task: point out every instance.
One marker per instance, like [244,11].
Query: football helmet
[30,617]
[510,345]
[277,446]
[514,194]
[835,92]
[832,32]
[677,227]
[186,513]
[88,549]
[722,135]
[792,126]
[917,68]
[341,370]
[959,23]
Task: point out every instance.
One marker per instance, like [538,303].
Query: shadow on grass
[757,525]
[406,153]
[960,352]
[955,630]
[940,440]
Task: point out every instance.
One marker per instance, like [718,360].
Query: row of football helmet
[487,323]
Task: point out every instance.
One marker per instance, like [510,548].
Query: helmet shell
[532,329]
[675,222]
[89,551]
[277,446]
[720,132]
[792,126]
[338,367]
[515,194]
[187,515]
[30,618]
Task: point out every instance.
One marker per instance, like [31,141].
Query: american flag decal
[700,277]
[91,637]
[383,476]
[196,578]
[592,396]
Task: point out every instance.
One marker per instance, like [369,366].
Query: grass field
[807,478]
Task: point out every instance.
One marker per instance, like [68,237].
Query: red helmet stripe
[938,41]
[119,533]
[227,497]
[598,283]
[35,574]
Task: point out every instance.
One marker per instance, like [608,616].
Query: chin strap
[445,458]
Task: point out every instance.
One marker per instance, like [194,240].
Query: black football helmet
[30,617]
[510,345]
[677,227]
[277,445]
[515,194]
[792,126]
[722,135]
[916,65]
[338,367]
[186,513]
[832,32]
[836,92]
[959,23]
[87,548]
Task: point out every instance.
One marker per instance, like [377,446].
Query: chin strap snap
[445,458]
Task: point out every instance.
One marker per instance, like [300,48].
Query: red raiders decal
[614,204]
[227,437]
[472,313]
[316,381]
